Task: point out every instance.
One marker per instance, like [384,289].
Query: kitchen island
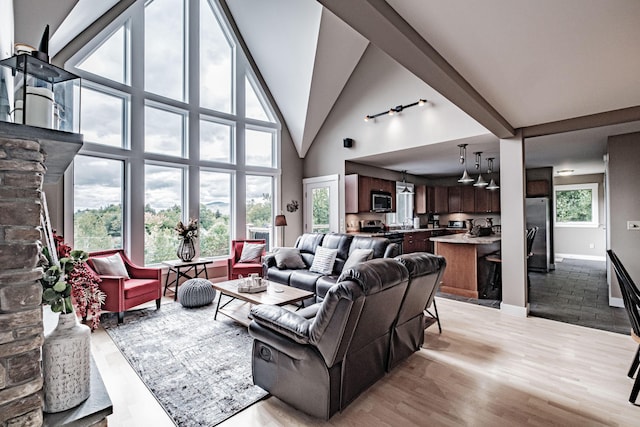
[467,273]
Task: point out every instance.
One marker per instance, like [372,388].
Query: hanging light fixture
[480,182]
[492,184]
[406,189]
[466,179]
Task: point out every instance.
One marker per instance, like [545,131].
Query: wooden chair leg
[634,364]
[120,316]
[158,303]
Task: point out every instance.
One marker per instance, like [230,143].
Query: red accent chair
[145,284]
[234,267]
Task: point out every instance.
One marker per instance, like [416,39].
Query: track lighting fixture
[396,109]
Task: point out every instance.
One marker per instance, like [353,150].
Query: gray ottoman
[196,293]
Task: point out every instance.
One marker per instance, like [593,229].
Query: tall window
[259,207]
[404,204]
[97,221]
[576,205]
[139,121]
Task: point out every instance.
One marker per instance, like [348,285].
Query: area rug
[199,369]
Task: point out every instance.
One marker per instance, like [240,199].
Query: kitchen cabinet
[538,188]
[441,200]
[468,198]
[357,189]
[455,199]
[419,241]
[487,201]
[420,200]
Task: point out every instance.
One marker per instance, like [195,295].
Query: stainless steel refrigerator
[538,212]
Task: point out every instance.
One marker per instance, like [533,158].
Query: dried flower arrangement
[189,231]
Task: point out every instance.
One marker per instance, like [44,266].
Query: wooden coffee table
[276,294]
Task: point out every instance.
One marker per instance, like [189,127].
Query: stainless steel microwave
[381,201]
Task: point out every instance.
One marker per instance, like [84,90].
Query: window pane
[216,67]
[320,202]
[102,118]
[162,211]
[258,148]
[253,106]
[97,221]
[164,56]
[574,206]
[164,132]
[259,207]
[109,59]
[215,219]
[215,141]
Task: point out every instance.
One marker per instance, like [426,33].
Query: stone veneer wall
[21,328]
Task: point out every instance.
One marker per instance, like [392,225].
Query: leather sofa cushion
[276,318]
[421,264]
[376,274]
[324,283]
[279,275]
[308,242]
[378,244]
[304,279]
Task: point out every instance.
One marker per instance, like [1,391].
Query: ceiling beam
[624,115]
[384,27]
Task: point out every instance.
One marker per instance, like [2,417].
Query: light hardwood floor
[486,369]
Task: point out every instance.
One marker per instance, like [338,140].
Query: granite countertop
[408,230]
[464,238]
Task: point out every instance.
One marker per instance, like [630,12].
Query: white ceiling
[530,62]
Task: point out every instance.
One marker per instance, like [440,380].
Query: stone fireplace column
[21,329]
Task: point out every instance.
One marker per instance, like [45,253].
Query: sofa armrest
[279,342]
[282,321]
[392,251]
[136,272]
[268,260]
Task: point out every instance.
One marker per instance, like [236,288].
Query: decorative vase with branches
[69,283]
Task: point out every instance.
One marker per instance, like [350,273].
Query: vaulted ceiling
[507,63]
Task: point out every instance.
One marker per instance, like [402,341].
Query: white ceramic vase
[66,364]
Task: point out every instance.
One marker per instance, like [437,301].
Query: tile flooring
[575,292]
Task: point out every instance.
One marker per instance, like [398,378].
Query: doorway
[321,200]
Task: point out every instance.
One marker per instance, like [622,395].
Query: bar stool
[495,273]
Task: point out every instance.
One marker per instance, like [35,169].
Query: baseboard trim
[514,310]
[616,302]
[585,257]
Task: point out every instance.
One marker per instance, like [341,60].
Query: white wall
[377,84]
[574,242]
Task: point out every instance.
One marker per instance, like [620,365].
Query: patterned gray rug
[199,369]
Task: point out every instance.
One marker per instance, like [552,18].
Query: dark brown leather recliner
[319,365]
[425,272]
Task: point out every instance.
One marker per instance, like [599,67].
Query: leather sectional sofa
[308,244]
[322,357]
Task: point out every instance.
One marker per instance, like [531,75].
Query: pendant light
[466,179]
[406,189]
[480,182]
[492,185]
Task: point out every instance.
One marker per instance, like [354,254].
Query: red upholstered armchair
[143,284]
[234,267]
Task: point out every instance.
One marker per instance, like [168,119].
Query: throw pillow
[356,257]
[323,260]
[251,252]
[289,258]
[110,266]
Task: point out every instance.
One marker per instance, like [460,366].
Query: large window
[576,205]
[185,142]
[97,195]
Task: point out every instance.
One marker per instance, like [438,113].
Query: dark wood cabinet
[420,199]
[487,201]
[357,189]
[468,199]
[538,188]
[455,199]
[440,200]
